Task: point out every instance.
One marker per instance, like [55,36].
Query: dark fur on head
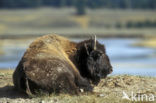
[93,63]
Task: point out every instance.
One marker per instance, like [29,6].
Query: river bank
[109,90]
[148,43]
[85,33]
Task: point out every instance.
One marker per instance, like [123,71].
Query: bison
[53,63]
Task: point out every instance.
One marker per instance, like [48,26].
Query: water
[125,59]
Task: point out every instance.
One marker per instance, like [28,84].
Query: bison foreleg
[83,83]
[28,91]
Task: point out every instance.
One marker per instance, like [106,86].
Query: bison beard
[54,64]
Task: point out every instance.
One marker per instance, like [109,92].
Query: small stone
[55,100]
[81,90]
[101,95]
[42,102]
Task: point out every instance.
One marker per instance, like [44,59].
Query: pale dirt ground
[109,90]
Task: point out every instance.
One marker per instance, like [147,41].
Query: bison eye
[99,54]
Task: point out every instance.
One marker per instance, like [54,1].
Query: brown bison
[53,63]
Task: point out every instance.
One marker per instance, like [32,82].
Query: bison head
[97,63]
[98,66]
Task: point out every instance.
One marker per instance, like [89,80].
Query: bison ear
[86,48]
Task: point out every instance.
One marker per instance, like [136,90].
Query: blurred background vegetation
[134,4]
[101,17]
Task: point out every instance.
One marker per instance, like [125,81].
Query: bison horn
[95,42]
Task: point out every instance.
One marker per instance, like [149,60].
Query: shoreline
[147,43]
[77,36]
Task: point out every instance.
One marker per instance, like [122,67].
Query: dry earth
[109,90]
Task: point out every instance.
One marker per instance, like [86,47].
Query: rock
[100,95]
[81,90]
[42,101]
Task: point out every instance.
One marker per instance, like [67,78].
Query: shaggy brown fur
[52,63]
